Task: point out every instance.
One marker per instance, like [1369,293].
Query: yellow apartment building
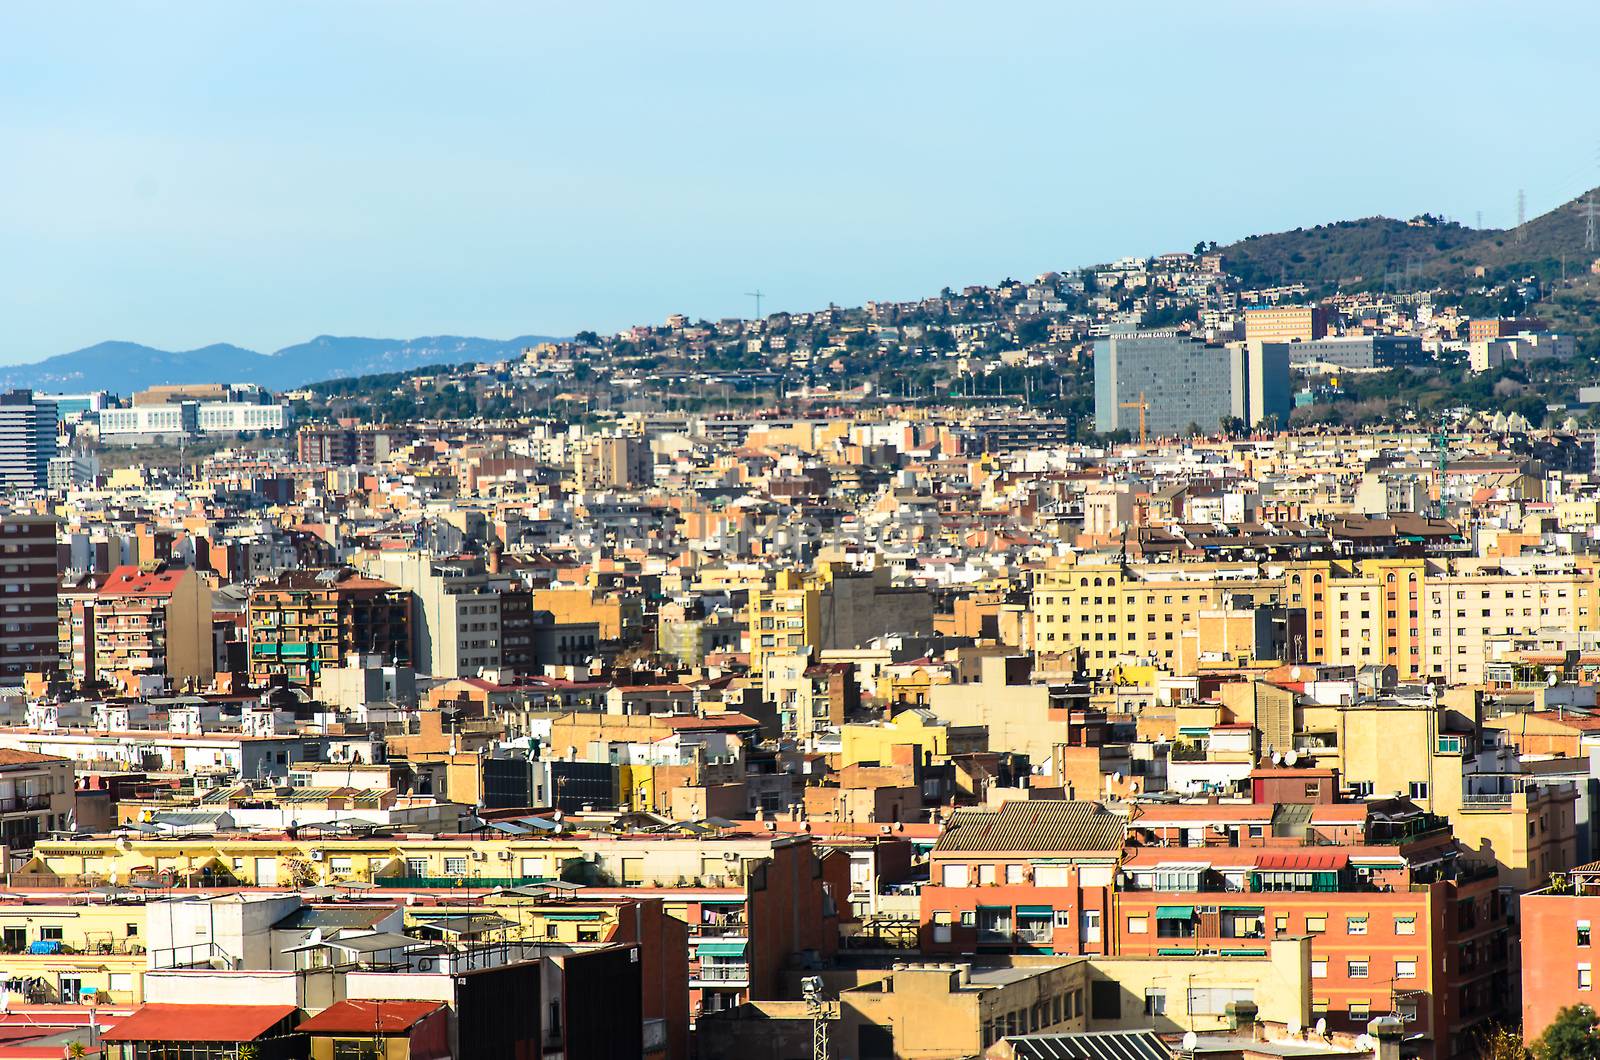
[1424,617]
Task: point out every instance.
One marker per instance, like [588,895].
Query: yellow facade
[875,743]
[783,618]
[1423,617]
[100,949]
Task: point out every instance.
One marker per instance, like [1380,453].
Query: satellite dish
[1553,680]
[1291,758]
[1190,1040]
[1117,776]
[1277,759]
[1322,1027]
[1293,1027]
[1365,1042]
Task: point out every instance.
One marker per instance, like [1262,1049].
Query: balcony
[732,974]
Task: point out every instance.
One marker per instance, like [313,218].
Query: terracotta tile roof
[131,581]
[198,1023]
[1035,825]
[369,1017]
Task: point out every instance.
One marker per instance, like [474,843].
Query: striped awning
[1090,1045]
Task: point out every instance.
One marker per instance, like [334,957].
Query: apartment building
[36,796]
[1034,876]
[455,615]
[1285,323]
[1557,926]
[152,622]
[613,462]
[832,608]
[27,440]
[29,641]
[1426,618]
[303,621]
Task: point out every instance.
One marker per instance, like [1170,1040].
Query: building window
[1405,969]
[1319,968]
[1583,933]
[1405,925]
[1419,789]
[1583,977]
[1355,925]
[1155,1001]
[1316,924]
[455,866]
[1360,1010]
[1138,925]
[1356,969]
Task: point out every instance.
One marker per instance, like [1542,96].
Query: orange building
[1035,876]
[1557,948]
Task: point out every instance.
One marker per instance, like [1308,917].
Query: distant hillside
[1346,253]
[123,367]
[1373,250]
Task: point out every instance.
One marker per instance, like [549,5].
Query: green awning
[1035,910]
[721,949]
[1244,953]
[572,916]
[1174,912]
[1249,910]
[1175,952]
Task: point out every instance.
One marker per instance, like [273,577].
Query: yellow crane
[1142,405]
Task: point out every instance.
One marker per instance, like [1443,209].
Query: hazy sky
[179,174]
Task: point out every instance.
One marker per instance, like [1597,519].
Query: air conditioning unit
[480,855]
[505,855]
[730,855]
[316,855]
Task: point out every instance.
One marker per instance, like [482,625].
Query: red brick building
[1034,876]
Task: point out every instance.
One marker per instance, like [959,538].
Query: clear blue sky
[185,173]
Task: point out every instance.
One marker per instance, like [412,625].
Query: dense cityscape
[1055,668]
[895,531]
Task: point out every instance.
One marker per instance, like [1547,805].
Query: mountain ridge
[122,367]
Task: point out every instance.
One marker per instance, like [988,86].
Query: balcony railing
[723,973]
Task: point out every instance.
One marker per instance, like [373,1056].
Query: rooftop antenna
[1522,212]
[1591,214]
[757,295]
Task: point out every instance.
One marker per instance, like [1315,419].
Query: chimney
[1388,1032]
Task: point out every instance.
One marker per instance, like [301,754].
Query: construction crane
[1143,406]
[820,1011]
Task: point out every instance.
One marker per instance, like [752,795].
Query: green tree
[1502,1043]
[1570,1036]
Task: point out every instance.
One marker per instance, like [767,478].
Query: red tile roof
[131,581]
[369,1017]
[198,1023]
